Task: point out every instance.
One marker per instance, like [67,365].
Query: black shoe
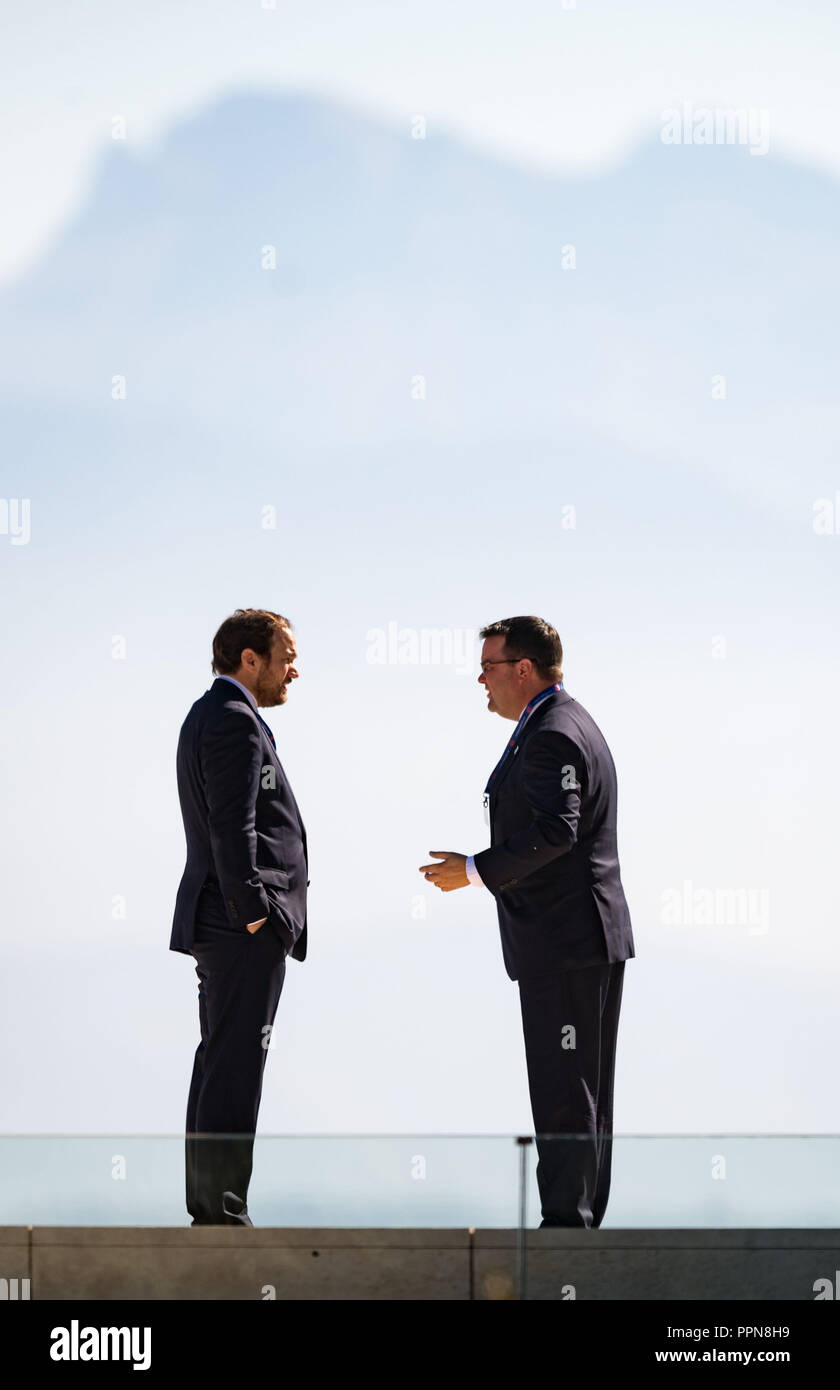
[235,1210]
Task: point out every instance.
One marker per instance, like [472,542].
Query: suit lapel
[561,697]
[225,689]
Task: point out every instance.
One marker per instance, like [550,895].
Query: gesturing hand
[449,875]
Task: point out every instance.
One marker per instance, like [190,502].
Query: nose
[482,679]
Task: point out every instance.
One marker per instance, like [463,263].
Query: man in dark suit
[553,868]
[241,904]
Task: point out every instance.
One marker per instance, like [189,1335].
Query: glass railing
[429,1181]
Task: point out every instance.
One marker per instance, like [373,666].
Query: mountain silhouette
[432,308]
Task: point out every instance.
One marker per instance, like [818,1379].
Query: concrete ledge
[14,1261]
[223,1262]
[227,1262]
[656,1265]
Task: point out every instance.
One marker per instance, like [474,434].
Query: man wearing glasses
[553,868]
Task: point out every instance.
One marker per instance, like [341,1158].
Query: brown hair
[534,638]
[247,627]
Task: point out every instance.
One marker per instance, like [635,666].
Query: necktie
[268,731]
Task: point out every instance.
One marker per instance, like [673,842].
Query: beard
[269,694]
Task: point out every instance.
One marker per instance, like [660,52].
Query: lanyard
[512,744]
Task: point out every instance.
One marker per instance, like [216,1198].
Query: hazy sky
[550,84]
[694,527]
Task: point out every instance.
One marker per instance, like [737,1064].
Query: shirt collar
[243,688]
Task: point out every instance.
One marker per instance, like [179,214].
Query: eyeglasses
[503,661]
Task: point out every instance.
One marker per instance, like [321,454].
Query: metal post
[524,1142]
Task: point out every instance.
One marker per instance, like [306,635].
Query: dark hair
[247,627]
[534,638]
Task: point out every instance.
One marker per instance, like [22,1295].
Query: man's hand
[255,926]
[449,875]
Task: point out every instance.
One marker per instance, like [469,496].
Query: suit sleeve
[231,758]
[553,780]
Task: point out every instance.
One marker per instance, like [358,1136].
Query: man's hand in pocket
[255,926]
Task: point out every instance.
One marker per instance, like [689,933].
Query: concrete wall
[64,1262]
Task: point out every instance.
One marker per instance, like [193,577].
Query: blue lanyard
[512,743]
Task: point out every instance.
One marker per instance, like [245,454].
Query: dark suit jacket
[553,862]
[246,844]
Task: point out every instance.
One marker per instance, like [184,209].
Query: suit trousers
[570,1026]
[240,976]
